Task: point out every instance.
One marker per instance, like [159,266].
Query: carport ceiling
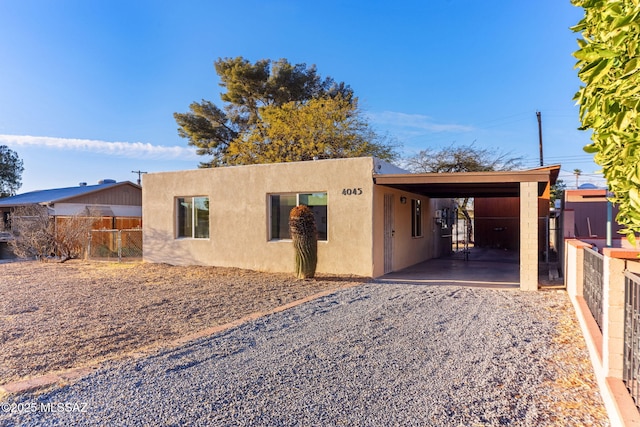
[469,184]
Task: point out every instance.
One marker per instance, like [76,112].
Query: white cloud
[141,150]
[415,121]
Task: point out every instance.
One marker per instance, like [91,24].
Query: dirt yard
[57,316]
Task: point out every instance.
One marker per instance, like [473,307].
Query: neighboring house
[372,217]
[584,216]
[116,205]
[588,216]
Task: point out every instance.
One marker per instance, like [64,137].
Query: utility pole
[139,172]
[539,116]
[577,173]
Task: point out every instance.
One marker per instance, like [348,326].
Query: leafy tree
[10,172]
[258,98]
[609,66]
[321,128]
[557,191]
[250,86]
[461,158]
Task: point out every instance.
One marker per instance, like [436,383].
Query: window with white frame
[416,218]
[192,217]
[280,206]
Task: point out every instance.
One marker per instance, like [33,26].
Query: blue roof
[54,195]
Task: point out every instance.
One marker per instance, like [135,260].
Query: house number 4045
[352,191]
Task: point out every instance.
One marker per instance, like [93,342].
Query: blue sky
[88,88]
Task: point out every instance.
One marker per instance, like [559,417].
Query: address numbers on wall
[352,191]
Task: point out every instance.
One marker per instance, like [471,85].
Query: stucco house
[372,217]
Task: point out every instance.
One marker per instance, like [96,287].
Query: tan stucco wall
[238,198]
[408,250]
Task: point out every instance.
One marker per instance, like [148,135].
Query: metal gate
[593,272]
[631,367]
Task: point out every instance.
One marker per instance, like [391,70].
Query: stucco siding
[407,250]
[239,215]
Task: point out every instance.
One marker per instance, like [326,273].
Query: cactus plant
[302,226]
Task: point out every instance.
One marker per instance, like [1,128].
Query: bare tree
[37,234]
[462,158]
[72,235]
[33,232]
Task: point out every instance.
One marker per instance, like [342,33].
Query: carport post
[529,236]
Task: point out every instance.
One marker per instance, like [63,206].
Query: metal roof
[56,195]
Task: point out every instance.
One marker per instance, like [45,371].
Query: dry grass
[58,316]
[574,393]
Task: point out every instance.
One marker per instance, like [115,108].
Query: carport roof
[470,184]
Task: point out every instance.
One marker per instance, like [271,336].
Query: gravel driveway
[373,355]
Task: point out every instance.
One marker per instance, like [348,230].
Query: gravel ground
[56,316]
[373,355]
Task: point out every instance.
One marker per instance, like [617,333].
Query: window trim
[193,236]
[417,229]
[270,238]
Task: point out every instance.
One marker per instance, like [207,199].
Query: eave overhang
[469,184]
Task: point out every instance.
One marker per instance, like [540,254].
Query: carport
[532,187]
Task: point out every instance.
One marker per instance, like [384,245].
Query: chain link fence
[115,244]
